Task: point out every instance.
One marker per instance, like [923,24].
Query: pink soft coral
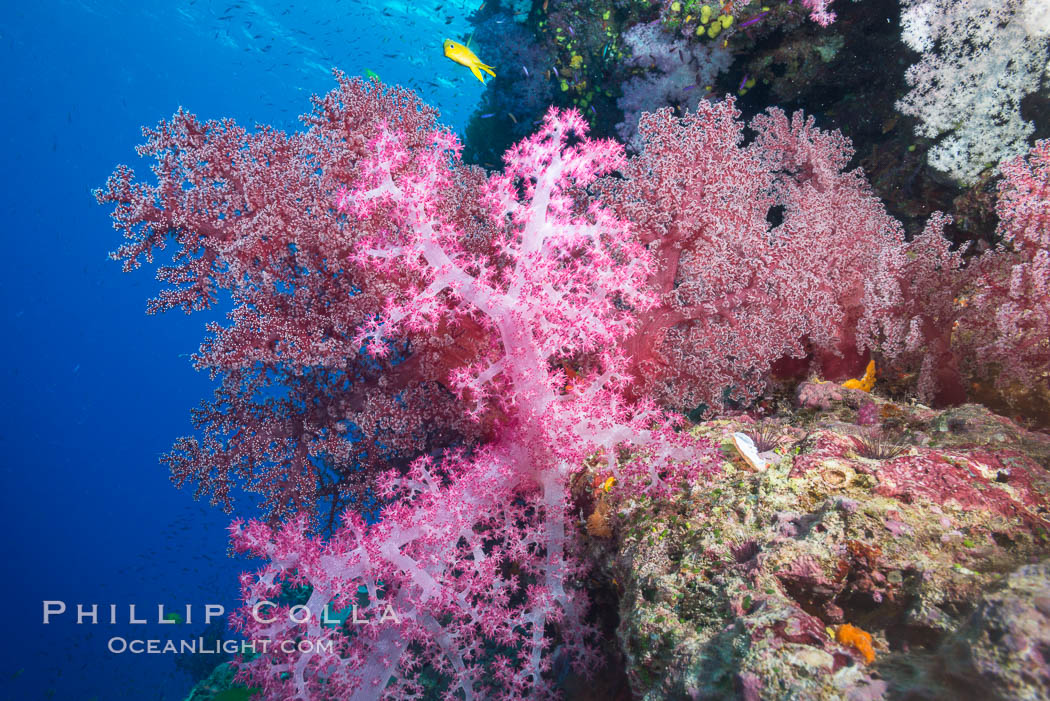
[1018,301]
[475,552]
[738,293]
[819,11]
[300,416]
[990,318]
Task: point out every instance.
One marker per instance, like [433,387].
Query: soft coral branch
[483,543]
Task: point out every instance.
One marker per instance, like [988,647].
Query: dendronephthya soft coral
[474,553]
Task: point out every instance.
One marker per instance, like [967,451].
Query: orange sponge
[866,383]
[857,639]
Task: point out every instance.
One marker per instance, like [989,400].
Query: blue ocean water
[94,390]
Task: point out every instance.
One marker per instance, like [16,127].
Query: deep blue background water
[93,389]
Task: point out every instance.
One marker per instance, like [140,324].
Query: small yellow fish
[465,57]
[866,383]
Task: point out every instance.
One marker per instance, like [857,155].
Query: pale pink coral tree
[739,290]
[987,318]
[1007,324]
[1021,342]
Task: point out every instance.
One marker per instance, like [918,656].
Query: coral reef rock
[829,575]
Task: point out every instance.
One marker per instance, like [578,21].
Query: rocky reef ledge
[876,550]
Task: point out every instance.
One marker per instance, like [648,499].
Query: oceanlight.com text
[200,646]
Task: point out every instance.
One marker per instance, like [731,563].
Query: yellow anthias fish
[866,383]
[465,57]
